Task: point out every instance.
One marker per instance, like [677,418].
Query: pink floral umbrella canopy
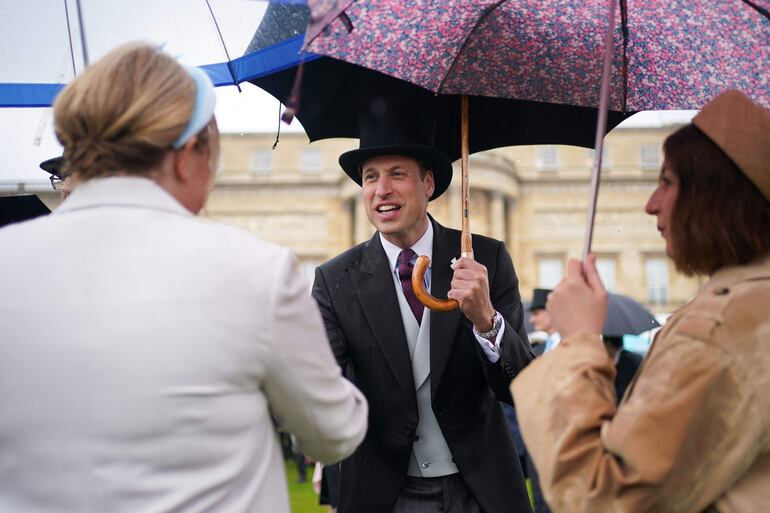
[668,54]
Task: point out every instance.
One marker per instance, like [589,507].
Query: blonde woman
[692,432]
[144,351]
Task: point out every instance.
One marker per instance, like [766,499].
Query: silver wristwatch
[497,323]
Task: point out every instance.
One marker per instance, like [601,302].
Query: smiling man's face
[396,194]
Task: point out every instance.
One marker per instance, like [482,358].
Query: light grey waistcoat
[431,456]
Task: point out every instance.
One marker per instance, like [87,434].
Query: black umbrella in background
[14,209]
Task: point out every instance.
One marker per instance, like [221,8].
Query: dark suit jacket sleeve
[515,350]
[334,332]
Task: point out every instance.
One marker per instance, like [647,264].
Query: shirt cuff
[491,350]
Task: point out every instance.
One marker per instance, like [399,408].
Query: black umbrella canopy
[332,93]
[14,209]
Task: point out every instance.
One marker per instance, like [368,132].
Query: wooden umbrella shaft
[466,244]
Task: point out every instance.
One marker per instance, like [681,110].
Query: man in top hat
[436,432]
[541,321]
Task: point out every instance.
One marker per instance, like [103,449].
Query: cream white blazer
[143,353]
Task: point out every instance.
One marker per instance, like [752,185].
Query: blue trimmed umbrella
[45,43]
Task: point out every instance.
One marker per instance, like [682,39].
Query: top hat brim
[53,166]
[433,158]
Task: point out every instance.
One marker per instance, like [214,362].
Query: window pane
[656,274]
[547,158]
[550,272]
[606,268]
[261,161]
[649,156]
[605,157]
[311,160]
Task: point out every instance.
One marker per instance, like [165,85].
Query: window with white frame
[605,157]
[649,156]
[656,277]
[547,158]
[311,160]
[550,271]
[261,160]
[607,272]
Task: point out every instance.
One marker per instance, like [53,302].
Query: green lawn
[304,500]
[301,495]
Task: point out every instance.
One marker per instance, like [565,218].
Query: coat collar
[729,276]
[126,191]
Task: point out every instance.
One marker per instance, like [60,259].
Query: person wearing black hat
[436,432]
[61,181]
[540,319]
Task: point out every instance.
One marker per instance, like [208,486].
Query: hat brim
[53,166]
[435,159]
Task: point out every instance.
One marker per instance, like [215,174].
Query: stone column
[497,215]
[454,193]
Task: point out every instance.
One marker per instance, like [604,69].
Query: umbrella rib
[69,36]
[761,10]
[465,42]
[224,46]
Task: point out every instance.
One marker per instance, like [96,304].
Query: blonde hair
[123,113]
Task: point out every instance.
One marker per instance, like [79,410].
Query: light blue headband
[205,100]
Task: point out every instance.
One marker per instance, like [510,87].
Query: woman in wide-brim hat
[691,432]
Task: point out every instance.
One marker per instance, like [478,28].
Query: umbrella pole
[601,126]
[466,244]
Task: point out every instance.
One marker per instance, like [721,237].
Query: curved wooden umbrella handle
[437,305]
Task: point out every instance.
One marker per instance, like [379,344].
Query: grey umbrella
[625,316]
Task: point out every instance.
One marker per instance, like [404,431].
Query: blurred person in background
[691,433]
[144,377]
[60,182]
[626,363]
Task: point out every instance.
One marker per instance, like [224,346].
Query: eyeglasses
[56,182]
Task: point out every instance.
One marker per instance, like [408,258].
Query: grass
[302,498]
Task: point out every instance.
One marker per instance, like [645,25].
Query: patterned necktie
[405,268]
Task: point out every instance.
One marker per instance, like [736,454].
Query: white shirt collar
[424,246]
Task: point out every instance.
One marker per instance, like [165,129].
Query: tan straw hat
[741,128]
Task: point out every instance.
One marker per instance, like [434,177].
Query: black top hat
[53,166]
[539,298]
[399,125]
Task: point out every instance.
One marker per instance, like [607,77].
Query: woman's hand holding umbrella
[579,303]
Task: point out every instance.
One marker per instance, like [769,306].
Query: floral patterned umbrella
[668,54]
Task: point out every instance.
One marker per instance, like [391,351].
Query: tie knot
[404,262]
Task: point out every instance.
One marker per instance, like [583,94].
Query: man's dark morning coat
[356,294]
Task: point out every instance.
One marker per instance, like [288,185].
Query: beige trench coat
[692,431]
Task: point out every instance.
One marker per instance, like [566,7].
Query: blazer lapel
[377,294]
[443,326]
